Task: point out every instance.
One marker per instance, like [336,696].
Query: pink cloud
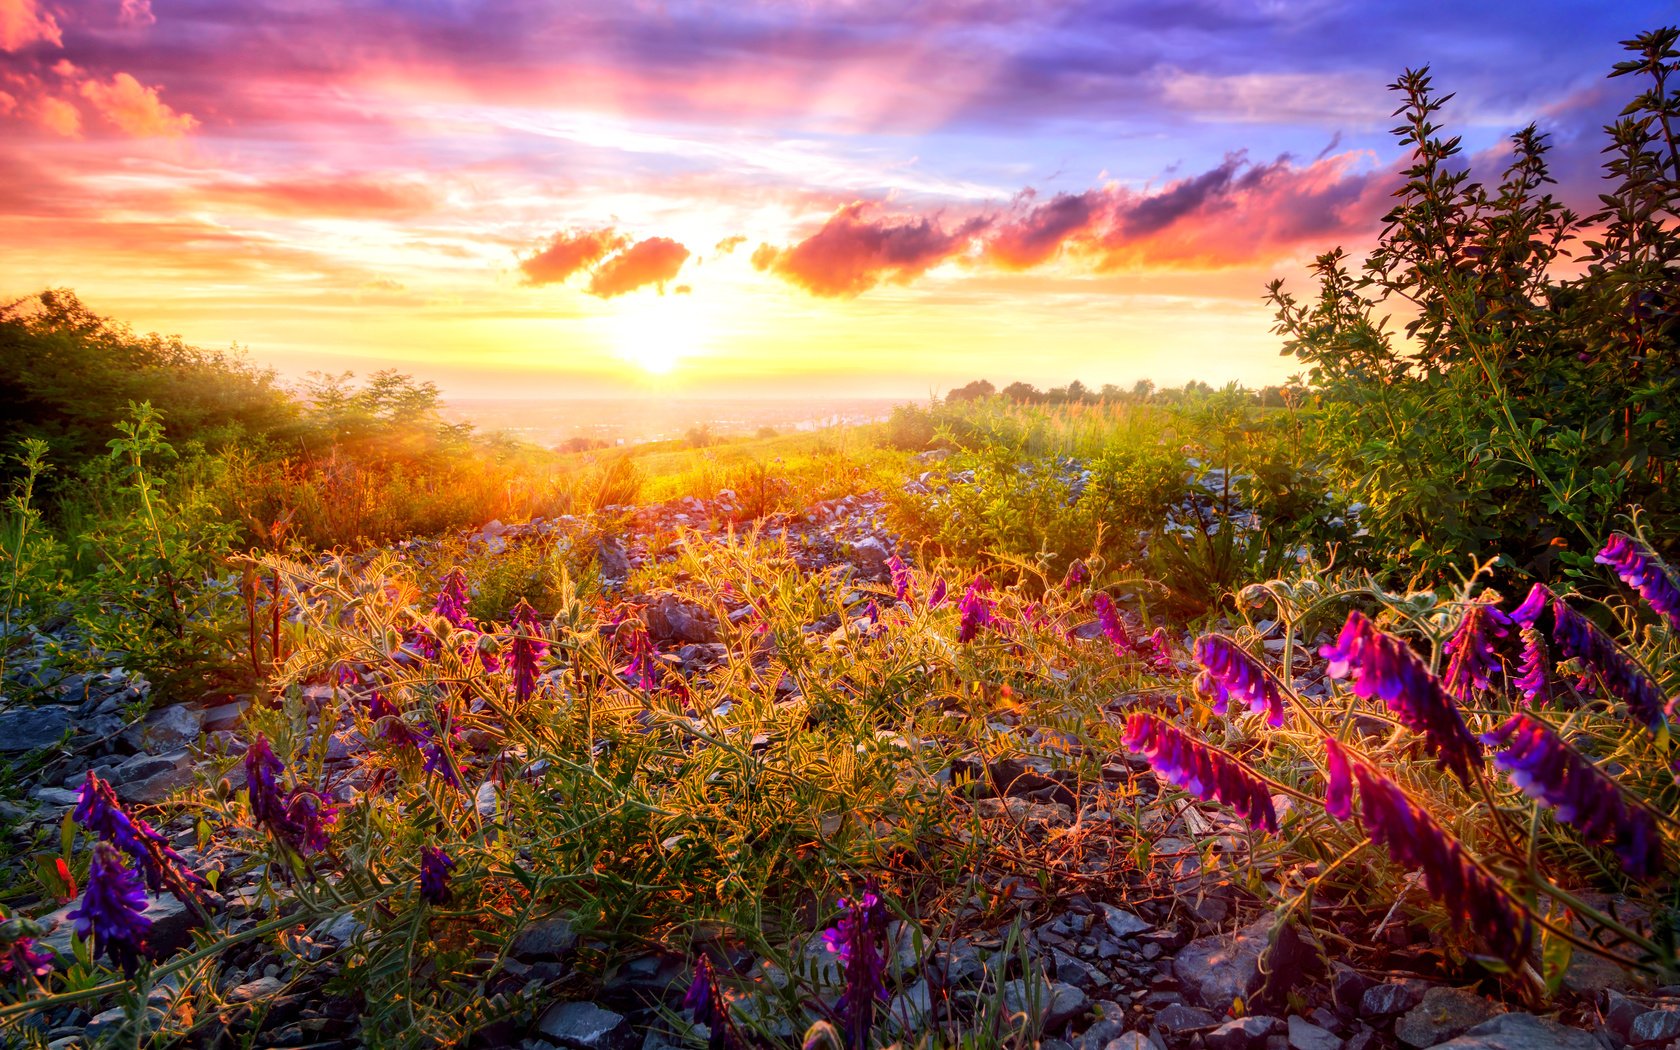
[137,13]
[22,22]
[651,261]
[136,109]
[852,254]
[569,252]
[57,116]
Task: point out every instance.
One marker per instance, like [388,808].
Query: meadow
[1336,713]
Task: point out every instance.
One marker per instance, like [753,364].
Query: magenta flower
[1583,796]
[530,645]
[1534,672]
[1338,788]
[452,601]
[1159,654]
[298,818]
[113,909]
[1077,575]
[1230,671]
[435,866]
[706,1005]
[859,938]
[392,726]
[102,815]
[1576,636]
[1472,897]
[900,577]
[643,669]
[976,610]
[21,957]
[1382,667]
[1201,769]
[1642,570]
[1108,617]
[937,597]
[1471,655]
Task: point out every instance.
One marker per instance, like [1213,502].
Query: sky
[801,199]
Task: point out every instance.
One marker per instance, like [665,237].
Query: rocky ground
[1182,959]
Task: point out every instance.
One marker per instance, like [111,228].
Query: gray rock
[586,1026]
[225,716]
[158,786]
[1131,1041]
[1076,972]
[165,729]
[670,619]
[1304,1035]
[261,988]
[1444,1013]
[957,963]
[104,1025]
[911,1010]
[1347,987]
[1178,1019]
[1655,1027]
[1123,923]
[871,555]
[1244,1033]
[612,561]
[549,939]
[171,930]
[29,729]
[1392,997]
[1215,971]
[1521,1032]
[1102,1033]
[1052,1003]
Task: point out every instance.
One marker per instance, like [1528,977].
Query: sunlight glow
[656,333]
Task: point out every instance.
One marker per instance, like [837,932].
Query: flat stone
[1178,1019]
[911,1010]
[1444,1013]
[585,1026]
[1052,1002]
[1391,997]
[1655,1028]
[165,729]
[261,988]
[171,930]
[1521,1032]
[29,729]
[1347,987]
[549,939]
[1244,1033]
[1304,1035]
[1216,971]
[1123,923]
[1131,1041]
[225,716]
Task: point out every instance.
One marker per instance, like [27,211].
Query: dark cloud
[569,252]
[852,254]
[651,261]
[1040,233]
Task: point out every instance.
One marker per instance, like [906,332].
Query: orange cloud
[652,261]
[22,22]
[569,252]
[57,115]
[852,254]
[355,197]
[136,109]
[729,244]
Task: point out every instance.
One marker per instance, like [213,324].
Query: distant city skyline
[848,199]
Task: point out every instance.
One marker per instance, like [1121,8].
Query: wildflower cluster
[1642,570]
[1201,769]
[859,939]
[299,818]
[1228,670]
[100,813]
[976,610]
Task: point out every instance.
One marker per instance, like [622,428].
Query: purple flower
[1231,671]
[21,956]
[1576,636]
[1642,570]
[1471,657]
[1159,655]
[435,865]
[1108,617]
[530,645]
[1338,787]
[298,818]
[308,816]
[1534,672]
[859,938]
[1077,575]
[643,669]
[1539,596]
[452,601]
[900,577]
[440,757]
[112,912]
[392,727]
[976,609]
[1382,667]
[1201,769]
[1472,897]
[102,815]
[1582,795]
[937,597]
[706,1004]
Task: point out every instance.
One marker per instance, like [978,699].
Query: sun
[656,333]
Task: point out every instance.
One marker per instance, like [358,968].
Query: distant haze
[550,421]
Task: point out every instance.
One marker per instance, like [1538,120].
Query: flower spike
[1231,671]
[1202,769]
[1642,570]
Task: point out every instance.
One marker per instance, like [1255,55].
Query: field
[1335,714]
